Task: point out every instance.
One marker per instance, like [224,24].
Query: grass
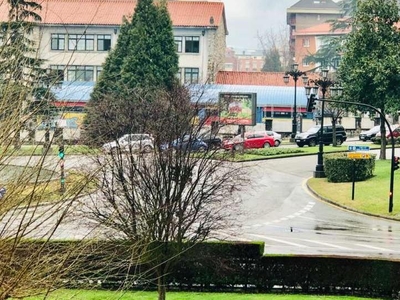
[370,196]
[105,295]
[257,154]
[26,150]
[48,189]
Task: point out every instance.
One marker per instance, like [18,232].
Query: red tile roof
[254,78]
[110,12]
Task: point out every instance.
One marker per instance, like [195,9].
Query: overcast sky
[246,17]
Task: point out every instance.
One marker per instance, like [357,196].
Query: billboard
[237,108]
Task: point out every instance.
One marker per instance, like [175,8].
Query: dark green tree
[369,71]
[143,60]
[20,67]
[272,61]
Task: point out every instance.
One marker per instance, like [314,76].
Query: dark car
[212,141]
[369,134]
[311,136]
[189,143]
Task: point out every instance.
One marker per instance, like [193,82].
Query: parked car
[277,137]
[369,134]
[395,129]
[189,143]
[311,136]
[258,139]
[212,141]
[131,142]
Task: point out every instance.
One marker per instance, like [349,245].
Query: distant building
[305,14]
[242,60]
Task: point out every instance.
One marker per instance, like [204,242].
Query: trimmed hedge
[339,168]
[239,267]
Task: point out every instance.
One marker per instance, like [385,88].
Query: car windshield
[313,129]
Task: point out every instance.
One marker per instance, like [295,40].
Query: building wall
[307,20]
[209,60]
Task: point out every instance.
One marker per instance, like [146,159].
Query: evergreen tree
[20,72]
[143,61]
[369,68]
[272,61]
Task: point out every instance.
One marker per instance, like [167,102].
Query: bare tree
[277,38]
[173,197]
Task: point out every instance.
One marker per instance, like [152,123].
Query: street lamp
[295,74]
[323,84]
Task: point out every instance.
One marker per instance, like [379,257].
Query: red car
[258,139]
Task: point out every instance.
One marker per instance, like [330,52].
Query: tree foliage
[369,69]
[144,58]
[272,61]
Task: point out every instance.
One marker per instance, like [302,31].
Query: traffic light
[61,153]
[396,163]
[311,103]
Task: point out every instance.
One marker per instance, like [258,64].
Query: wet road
[279,210]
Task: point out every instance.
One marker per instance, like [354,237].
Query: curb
[346,207]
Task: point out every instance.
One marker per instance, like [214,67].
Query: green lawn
[106,295]
[371,196]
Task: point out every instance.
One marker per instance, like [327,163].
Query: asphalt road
[280,211]
[277,209]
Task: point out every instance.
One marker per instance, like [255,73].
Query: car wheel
[339,141]
[300,145]
[238,147]
[277,143]
[312,143]
[267,145]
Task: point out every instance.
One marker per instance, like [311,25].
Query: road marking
[277,240]
[327,244]
[375,248]
[307,208]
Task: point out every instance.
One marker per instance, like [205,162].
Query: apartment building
[244,60]
[308,14]
[75,36]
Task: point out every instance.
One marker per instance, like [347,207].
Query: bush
[339,168]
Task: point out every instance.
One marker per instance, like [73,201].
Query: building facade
[76,36]
[305,14]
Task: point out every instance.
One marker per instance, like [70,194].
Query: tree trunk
[161,284]
[382,154]
[334,141]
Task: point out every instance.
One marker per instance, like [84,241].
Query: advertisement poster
[238,108]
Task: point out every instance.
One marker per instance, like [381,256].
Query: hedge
[227,267]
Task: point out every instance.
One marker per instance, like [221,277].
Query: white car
[131,142]
[277,137]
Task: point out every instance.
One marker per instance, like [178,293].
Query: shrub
[339,168]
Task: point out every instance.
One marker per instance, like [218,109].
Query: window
[179,75]
[192,44]
[178,43]
[98,72]
[191,75]
[60,71]
[103,42]
[306,43]
[305,62]
[83,42]
[80,73]
[57,41]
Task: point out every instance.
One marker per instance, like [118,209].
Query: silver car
[131,142]
[277,137]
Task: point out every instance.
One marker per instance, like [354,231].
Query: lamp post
[295,74]
[323,83]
